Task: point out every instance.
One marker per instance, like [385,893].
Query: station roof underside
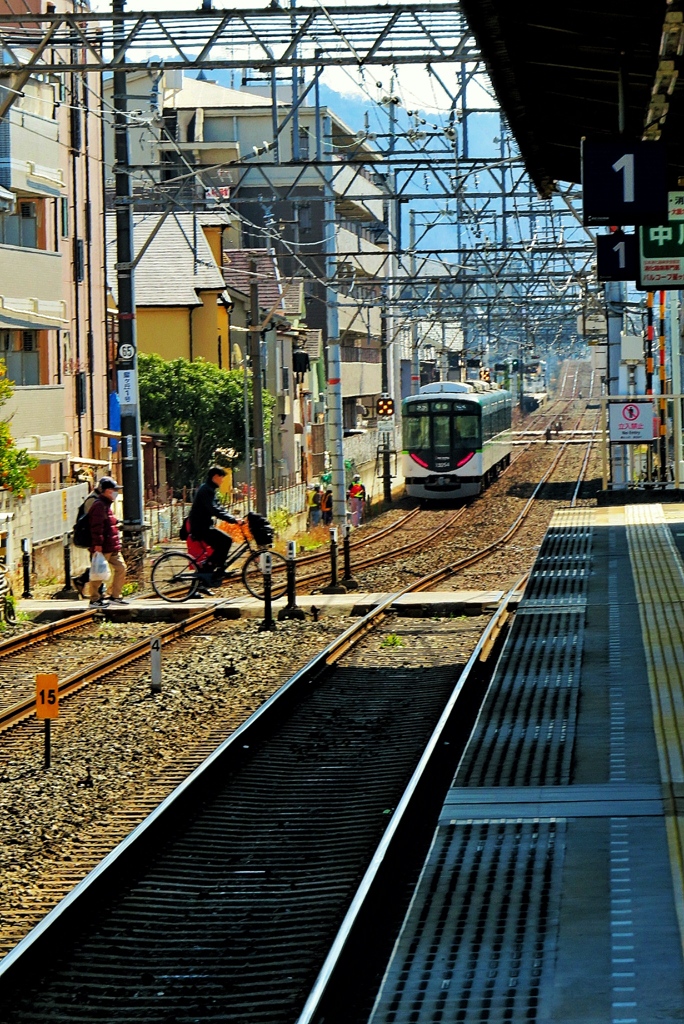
[555,69]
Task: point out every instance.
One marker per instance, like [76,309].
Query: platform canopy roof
[555,67]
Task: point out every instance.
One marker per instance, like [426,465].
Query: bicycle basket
[260,529]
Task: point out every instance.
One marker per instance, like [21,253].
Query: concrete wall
[31,280]
[35,410]
[206,329]
[361,379]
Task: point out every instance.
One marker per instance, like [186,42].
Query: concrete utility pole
[127,350]
[333,418]
[257,394]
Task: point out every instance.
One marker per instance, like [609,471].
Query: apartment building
[52,294]
[291,206]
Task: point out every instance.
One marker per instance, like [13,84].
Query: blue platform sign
[624,182]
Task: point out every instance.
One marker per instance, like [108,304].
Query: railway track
[254,878]
[15,711]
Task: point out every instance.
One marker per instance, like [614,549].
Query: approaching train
[456,438]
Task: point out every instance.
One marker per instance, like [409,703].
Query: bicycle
[177,576]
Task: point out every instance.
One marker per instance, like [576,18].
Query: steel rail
[463,563]
[77,680]
[487,640]
[14,644]
[81,677]
[313,1006]
[585,463]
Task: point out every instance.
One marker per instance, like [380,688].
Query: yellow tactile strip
[659,582]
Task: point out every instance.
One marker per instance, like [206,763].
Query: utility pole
[415,340]
[257,394]
[333,417]
[127,349]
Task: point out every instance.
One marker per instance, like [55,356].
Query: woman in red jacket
[105,537]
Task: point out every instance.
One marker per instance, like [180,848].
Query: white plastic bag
[99,568]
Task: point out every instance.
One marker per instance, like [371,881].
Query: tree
[15,463]
[199,408]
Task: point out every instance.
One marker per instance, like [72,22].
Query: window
[416,431]
[21,357]
[65,217]
[467,431]
[303,144]
[78,259]
[20,228]
[75,126]
[440,434]
[304,214]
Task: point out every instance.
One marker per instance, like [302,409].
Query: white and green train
[456,439]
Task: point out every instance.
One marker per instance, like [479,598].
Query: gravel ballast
[117,751]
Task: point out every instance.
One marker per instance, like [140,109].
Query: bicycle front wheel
[253,578]
[174,576]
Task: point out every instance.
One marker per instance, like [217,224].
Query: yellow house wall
[214,236]
[164,331]
[209,334]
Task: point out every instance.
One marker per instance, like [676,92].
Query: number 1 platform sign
[661,257]
[617,257]
[624,182]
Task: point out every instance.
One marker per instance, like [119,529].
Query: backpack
[81,531]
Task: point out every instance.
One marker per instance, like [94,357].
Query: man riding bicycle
[205,508]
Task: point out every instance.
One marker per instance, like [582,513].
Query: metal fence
[53,513]
[164,519]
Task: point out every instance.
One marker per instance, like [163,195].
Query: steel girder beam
[266,38]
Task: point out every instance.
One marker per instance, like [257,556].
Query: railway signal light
[485,375]
[385,406]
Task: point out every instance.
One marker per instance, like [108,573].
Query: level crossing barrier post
[266,568]
[348,580]
[67,593]
[26,566]
[335,587]
[291,611]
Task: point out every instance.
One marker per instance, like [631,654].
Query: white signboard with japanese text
[632,422]
[661,256]
[675,205]
[128,391]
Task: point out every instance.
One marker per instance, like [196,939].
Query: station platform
[554,886]
[432,603]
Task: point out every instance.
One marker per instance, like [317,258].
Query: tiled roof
[312,345]
[170,271]
[293,296]
[237,274]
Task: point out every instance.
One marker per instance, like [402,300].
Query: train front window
[416,431]
[440,434]
[467,431]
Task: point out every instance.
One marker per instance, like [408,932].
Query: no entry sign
[632,422]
